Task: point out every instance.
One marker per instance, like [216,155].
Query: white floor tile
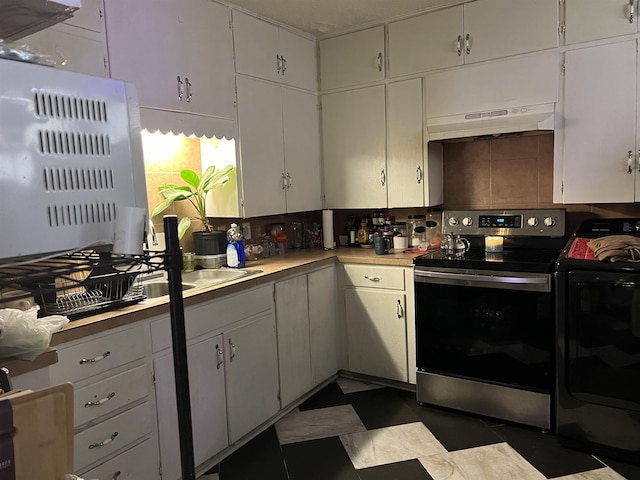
[390,444]
[348,385]
[299,426]
[495,462]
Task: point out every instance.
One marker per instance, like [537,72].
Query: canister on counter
[417,230]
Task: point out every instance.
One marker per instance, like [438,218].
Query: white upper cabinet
[473,32]
[352,59]
[78,44]
[179,54]
[599,145]
[415,175]
[353,127]
[279,148]
[266,51]
[587,20]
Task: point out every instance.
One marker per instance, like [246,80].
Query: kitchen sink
[214,276]
[160,288]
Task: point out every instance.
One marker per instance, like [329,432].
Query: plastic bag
[24,335]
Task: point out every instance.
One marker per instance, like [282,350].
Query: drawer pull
[116,475]
[373,279]
[101,401]
[95,359]
[104,442]
[399,310]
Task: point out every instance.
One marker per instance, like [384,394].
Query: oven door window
[603,338]
[492,335]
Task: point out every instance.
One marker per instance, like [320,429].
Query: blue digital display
[495,221]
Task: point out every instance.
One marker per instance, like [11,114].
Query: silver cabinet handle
[284,181]
[639,160]
[399,310]
[467,44]
[220,357]
[104,442]
[95,359]
[189,90]
[419,174]
[232,354]
[289,181]
[379,61]
[631,10]
[284,65]
[101,401]
[383,177]
[459,45]
[629,162]
[180,88]
[373,279]
[278,63]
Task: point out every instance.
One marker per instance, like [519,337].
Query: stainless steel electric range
[485,320]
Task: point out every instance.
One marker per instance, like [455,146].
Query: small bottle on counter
[235,247]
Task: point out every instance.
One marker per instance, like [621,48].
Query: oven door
[488,326]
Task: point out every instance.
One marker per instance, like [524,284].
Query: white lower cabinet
[134,464]
[376,317]
[307,332]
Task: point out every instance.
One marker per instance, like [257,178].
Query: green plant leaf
[161,207]
[191,177]
[219,178]
[183,226]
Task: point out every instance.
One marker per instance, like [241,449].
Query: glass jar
[417,230]
[399,228]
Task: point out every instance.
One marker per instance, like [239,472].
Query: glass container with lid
[417,230]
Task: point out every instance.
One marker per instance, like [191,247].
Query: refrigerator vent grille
[78,179]
[73,143]
[81,214]
[55,105]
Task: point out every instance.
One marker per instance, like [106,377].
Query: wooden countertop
[273,269]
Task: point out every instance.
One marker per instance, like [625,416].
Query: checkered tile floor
[356,431]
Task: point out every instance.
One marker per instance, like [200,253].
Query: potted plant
[196,192]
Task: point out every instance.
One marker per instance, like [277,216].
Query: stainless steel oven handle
[469,279]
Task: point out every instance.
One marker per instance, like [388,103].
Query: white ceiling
[324,17]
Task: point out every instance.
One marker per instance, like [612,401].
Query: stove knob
[453,221]
[467,221]
[532,222]
[549,221]
[636,227]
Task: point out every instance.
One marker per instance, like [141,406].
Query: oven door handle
[540,283]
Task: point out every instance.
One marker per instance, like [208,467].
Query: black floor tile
[457,431]
[544,452]
[381,407]
[259,459]
[408,470]
[323,459]
[329,396]
[627,470]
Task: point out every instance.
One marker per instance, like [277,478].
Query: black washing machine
[598,345]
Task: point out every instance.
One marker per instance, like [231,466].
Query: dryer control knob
[532,221]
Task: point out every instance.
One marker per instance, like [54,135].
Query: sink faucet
[154,235]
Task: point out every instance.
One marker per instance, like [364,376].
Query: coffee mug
[381,245]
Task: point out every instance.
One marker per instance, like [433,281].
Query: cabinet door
[323,322]
[252,375]
[204,30]
[353,127]
[90,16]
[405,144]
[294,359]
[376,333]
[599,111]
[261,147]
[150,58]
[302,157]
[587,20]
[256,47]
[208,406]
[426,42]
[300,68]
[500,28]
[352,59]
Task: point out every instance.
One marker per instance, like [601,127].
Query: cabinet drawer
[111,435]
[110,394]
[134,464]
[98,355]
[374,276]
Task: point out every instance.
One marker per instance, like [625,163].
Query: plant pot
[210,243]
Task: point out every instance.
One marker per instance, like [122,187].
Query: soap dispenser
[235,247]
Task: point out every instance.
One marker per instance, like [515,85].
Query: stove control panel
[514,223]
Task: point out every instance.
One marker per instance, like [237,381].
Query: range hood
[505,96]
[492,122]
[19,18]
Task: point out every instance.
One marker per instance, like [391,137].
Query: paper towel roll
[131,227]
[327,229]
